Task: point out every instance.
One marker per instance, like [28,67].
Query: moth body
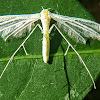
[45,19]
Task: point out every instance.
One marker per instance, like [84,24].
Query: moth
[77,28]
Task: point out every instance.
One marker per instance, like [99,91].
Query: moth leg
[24,49]
[40,27]
[69,45]
[51,28]
[22,45]
[67,50]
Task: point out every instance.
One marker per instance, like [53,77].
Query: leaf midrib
[57,54]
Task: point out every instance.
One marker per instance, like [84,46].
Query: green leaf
[28,77]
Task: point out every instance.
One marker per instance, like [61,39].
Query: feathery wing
[78,28]
[17,25]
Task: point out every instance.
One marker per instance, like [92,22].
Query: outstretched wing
[78,28]
[17,25]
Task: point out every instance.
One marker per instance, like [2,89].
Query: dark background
[93,6]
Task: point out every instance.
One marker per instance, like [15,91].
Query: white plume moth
[77,28]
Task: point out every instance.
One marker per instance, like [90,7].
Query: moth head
[45,14]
